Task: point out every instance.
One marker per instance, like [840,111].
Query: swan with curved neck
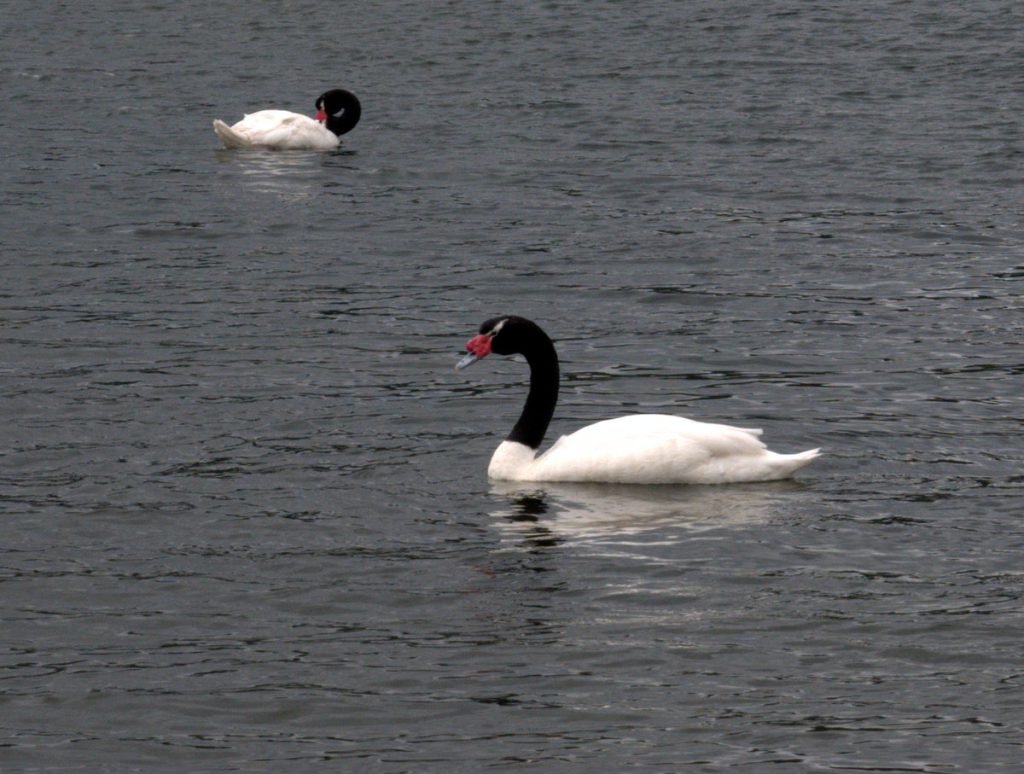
[337,112]
[634,449]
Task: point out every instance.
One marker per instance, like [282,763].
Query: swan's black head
[510,335]
[339,110]
[505,335]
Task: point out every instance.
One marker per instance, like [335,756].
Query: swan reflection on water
[554,513]
[291,175]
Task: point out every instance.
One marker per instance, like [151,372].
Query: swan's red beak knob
[321,116]
[477,347]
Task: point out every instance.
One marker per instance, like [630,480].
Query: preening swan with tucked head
[634,449]
[337,112]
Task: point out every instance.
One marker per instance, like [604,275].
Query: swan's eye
[496,329]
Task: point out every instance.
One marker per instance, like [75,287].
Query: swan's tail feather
[798,460]
[229,136]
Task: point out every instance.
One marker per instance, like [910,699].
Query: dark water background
[245,523]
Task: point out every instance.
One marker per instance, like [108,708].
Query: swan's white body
[276,130]
[649,449]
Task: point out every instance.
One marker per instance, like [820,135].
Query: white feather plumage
[649,449]
[276,130]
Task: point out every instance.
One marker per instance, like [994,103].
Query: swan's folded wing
[283,130]
[289,132]
[649,448]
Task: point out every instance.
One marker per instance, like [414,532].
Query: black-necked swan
[337,112]
[634,449]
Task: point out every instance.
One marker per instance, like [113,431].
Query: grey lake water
[245,522]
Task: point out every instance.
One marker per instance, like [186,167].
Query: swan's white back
[649,449]
[276,130]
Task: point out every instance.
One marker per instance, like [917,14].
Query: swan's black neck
[342,108]
[540,402]
[343,122]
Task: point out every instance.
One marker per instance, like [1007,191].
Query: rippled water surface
[245,518]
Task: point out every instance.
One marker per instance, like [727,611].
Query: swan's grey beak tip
[466,361]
